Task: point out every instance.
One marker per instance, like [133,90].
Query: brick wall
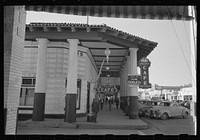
[14,31]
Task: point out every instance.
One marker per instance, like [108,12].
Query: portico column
[133,97]
[127,86]
[122,89]
[92,94]
[70,98]
[41,83]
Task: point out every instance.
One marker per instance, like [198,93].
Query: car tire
[151,115]
[185,115]
[164,116]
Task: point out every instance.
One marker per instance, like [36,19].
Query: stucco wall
[57,67]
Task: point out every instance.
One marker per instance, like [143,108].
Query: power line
[188,41]
[181,47]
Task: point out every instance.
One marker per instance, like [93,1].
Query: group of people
[97,103]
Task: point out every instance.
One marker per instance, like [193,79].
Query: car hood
[159,107]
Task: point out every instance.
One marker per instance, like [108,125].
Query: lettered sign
[133,80]
[144,65]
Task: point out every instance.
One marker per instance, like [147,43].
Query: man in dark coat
[117,102]
[95,108]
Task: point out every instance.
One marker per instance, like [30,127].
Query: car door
[175,109]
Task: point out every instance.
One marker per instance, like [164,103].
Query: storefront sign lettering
[133,80]
[144,65]
[104,88]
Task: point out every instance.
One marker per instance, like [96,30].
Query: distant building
[170,93]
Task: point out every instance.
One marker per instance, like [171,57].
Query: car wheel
[164,116]
[185,115]
[151,115]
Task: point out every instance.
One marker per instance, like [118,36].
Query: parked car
[142,108]
[145,105]
[186,104]
[168,109]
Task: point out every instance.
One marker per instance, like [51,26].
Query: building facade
[57,69]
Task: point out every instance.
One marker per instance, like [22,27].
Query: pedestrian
[109,103]
[95,108]
[106,100]
[101,103]
[117,102]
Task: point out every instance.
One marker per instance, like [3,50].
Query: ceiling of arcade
[96,38]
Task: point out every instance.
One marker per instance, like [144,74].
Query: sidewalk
[114,119]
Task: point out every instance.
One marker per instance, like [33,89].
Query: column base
[70,108]
[133,108]
[122,103]
[38,107]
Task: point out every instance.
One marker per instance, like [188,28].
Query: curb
[47,124]
[111,126]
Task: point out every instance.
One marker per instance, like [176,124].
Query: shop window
[27,91]
[26,81]
[26,96]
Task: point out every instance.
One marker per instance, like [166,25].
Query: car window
[174,105]
[164,104]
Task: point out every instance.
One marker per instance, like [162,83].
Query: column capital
[133,49]
[42,39]
[73,41]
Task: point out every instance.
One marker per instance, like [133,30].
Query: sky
[168,65]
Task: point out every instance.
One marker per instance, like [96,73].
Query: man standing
[117,102]
[95,108]
[101,102]
[109,103]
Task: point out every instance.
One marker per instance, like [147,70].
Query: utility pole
[87,20]
[193,34]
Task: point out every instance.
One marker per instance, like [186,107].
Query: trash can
[90,117]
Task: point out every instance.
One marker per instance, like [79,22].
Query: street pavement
[112,122]
[172,126]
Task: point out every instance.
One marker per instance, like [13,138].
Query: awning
[136,12]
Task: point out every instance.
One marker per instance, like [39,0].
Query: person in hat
[95,108]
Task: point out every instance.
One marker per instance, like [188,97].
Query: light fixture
[107,68]
[108,75]
[107,53]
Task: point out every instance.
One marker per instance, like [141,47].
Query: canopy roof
[96,38]
[138,12]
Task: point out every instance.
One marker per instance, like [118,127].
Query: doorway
[88,97]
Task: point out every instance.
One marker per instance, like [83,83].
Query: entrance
[88,97]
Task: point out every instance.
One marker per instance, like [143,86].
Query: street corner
[140,125]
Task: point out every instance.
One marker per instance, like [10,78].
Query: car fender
[165,111]
[183,111]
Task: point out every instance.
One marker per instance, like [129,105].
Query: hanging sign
[133,80]
[107,89]
[144,65]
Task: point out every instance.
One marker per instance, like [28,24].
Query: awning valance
[136,12]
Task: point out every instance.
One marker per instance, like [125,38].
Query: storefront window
[27,91]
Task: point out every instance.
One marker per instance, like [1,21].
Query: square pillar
[70,98]
[133,97]
[41,81]
[92,94]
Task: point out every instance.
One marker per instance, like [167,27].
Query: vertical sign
[144,65]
